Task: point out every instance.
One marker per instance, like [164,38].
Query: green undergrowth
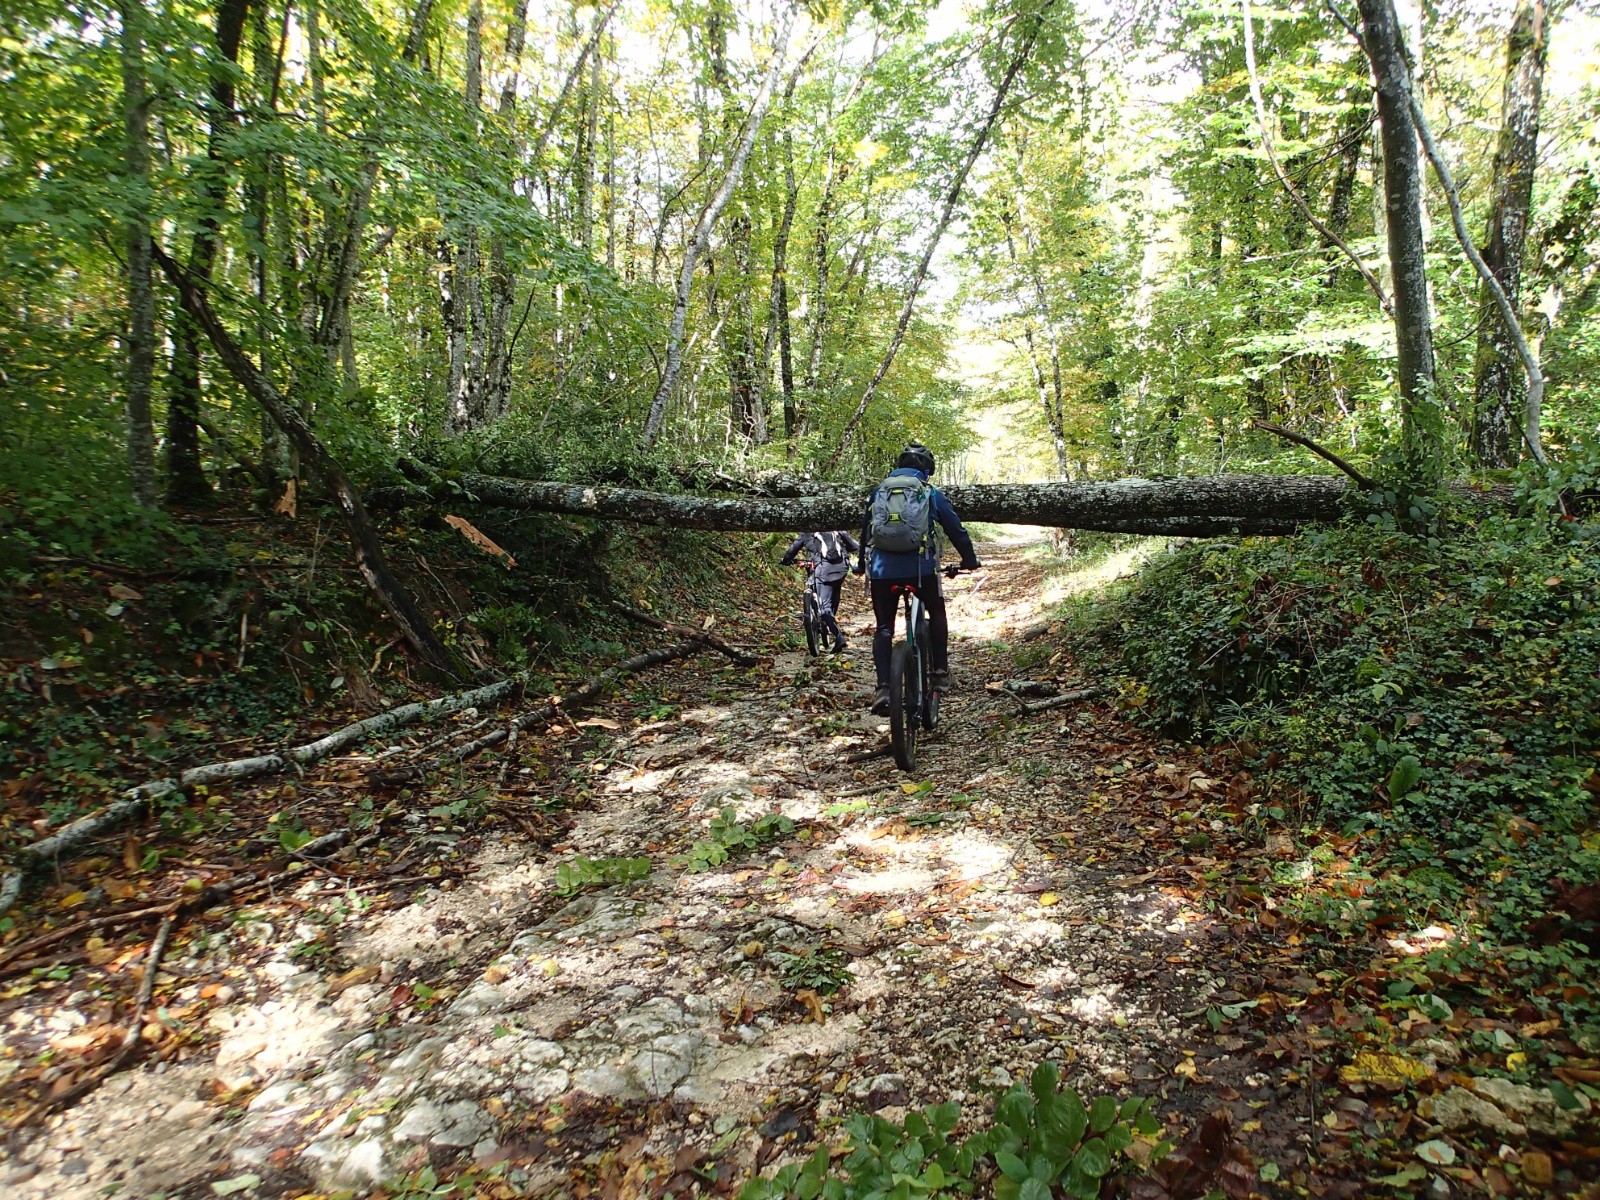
[1426,706]
[137,643]
[1042,1141]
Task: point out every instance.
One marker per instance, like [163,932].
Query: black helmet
[916,455]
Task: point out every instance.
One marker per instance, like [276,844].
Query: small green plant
[729,837]
[1043,1142]
[822,970]
[581,873]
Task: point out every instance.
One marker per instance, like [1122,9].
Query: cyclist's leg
[938,624]
[884,607]
[828,605]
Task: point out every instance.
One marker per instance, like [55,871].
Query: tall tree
[701,236]
[141,335]
[1402,189]
[1026,41]
[1496,373]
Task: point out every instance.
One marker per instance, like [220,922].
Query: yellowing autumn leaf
[1384,1070]
[1048,899]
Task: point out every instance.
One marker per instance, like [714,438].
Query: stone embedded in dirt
[1537,1108]
[451,1126]
[1457,1108]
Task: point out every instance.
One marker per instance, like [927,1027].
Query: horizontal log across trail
[1194,506]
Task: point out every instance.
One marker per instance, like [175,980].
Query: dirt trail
[642,1028]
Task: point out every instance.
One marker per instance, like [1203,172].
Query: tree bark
[186,479]
[141,338]
[702,236]
[369,556]
[952,198]
[780,292]
[1189,506]
[1496,370]
[1402,188]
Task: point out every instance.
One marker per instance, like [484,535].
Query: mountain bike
[913,700]
[811,610]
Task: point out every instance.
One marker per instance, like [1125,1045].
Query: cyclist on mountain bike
[917,568]
[831,553]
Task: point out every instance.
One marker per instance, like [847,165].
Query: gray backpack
[902,515]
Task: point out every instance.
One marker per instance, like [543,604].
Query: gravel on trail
[910,940]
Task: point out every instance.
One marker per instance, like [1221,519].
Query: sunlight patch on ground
[1068,580]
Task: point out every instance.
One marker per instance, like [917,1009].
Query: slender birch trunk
[952,198]
[702,235]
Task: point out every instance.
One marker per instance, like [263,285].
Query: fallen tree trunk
[136,802]
[1183,507]
[576,698]
[1191,506]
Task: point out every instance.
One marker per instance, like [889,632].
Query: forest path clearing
[1003,913]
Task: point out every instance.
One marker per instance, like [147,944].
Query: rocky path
[893,942]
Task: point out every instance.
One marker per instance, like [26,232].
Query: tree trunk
[780,292]
[952,198]
[141,339]
[1190,506]
[1402,187]
[702,236]
[369,556]
[186,479]
[1497,372]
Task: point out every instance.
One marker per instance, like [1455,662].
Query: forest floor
[1046,888]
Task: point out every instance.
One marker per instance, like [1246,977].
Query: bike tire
[905,694]
[812,620]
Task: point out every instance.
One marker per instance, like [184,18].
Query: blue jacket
[911,565]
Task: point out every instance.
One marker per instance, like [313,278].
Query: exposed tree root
[576,698]
[135,803]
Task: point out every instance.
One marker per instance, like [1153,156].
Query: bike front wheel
[905,701]
[811,618]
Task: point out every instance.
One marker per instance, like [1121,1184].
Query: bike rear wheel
[905,701]
[811,618]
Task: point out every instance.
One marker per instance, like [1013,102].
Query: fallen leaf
[813,1003]
[287,504]
[480,539]
[350,978]
[1537,1168]
[1392,1071]
[121,591]
[599,723]
[1048,899]
[1440,1154]
[239,1183]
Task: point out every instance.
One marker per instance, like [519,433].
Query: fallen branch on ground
[136,802]
[683,631]
[1061,701]
[576,698]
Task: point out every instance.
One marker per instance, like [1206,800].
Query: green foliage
[823,970]
[1437,697]
[730,837]
[1041,1142]
[580,873]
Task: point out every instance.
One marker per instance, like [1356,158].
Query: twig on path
[740,657]
[135,802]
[574,699]
[861,756]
